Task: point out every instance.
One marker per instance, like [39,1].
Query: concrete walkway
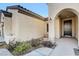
[64,48]
[44,51]
[4,52]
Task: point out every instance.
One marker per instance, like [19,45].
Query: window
[47,27]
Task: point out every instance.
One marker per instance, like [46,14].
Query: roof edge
[20,8]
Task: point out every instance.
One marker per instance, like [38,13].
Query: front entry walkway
[64,48]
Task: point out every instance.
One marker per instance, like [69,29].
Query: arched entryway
[66,24]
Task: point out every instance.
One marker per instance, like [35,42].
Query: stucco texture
[25,27]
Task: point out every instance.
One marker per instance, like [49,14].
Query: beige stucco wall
[7,23]
[25,27]
[6,30]
[54,9]
[30,27]
[1,20]
[14,22]
[7,26]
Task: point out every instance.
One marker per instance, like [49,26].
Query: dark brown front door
[68,28]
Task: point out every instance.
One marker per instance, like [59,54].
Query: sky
[39,8]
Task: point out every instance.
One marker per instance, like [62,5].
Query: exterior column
[57,28]
[78,31]
[51,34]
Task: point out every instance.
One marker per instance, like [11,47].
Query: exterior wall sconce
[49,19]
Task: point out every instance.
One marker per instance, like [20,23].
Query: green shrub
[21,48]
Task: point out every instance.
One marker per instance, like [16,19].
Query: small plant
[21,48]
